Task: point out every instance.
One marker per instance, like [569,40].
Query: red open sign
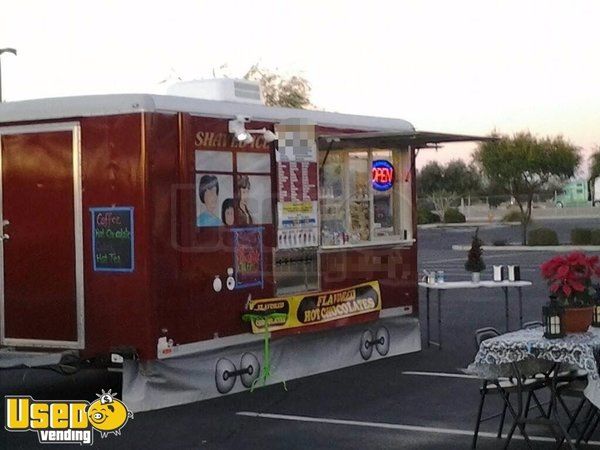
[382,175]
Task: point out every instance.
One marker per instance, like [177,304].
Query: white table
[439,287]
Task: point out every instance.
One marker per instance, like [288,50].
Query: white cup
[498,275]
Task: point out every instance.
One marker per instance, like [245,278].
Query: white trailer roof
[103,105]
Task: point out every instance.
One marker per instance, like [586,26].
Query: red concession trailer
[145,226]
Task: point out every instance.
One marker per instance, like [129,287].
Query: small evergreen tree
[474,260]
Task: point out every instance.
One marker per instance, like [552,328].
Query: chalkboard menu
[112,239]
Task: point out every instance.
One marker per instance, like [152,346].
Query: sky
[461,66]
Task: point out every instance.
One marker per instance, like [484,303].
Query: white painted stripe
[441,374]
[391,426]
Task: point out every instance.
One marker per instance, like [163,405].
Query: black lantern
[596,317]
[552,314]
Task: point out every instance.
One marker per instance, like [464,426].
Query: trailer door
[41,254]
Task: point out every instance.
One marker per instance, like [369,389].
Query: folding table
[440,287]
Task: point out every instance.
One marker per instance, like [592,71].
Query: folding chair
[532,324]
[503,387]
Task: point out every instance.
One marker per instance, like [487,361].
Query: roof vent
[221,89]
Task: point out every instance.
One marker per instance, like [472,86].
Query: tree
[462,178]
[430,179]
[522,165]
[474,261]
[441,201]
[292,92]
[456,177]
[595,163]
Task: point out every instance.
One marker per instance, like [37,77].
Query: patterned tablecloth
[534,353]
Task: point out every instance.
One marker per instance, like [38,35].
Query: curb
[459,225]
[527,248]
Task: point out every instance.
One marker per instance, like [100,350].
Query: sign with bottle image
[248,257]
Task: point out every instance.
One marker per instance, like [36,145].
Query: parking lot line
[389,426]
[440,374]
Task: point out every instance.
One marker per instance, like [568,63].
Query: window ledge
[370,244]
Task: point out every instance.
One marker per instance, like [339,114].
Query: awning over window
[389,140]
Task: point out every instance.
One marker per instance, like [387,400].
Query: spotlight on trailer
[238,129]
[270,136]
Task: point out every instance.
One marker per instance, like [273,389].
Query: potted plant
[571,281]
[475,262]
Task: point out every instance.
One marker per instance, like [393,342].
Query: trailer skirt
[155,384]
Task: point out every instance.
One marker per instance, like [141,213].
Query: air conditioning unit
[221,89]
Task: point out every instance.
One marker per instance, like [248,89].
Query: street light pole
[4,50]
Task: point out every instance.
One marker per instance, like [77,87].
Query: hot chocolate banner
[316,308]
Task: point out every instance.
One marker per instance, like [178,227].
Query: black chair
[532,324]
[503,387]
[591,423]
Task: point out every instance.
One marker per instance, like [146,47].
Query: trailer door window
[365,197]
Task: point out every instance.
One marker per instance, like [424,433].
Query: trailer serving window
[365,197]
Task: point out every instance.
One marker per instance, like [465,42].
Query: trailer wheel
[366,346]
[559,204]
[225,375]
[250,367]
[597,203]
[383,341]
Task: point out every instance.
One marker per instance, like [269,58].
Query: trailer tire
[366,348]
[383,341]
[559,205]
[250,363]
[223,378]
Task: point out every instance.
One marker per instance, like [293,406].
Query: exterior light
[237,127]
[596,317]
[5,50]
[552,317]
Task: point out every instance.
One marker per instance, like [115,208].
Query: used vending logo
[67,422]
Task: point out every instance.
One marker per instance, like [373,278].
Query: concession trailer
[141,229]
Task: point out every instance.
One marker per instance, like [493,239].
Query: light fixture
[270,136]
[238,129]
[552,316]
[596,318]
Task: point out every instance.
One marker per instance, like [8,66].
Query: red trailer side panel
[194,311]
[118,307]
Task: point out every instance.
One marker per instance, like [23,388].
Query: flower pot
[475,277]
[577,320]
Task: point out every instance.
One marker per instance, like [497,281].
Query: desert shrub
[425,216]
[453,215]
[581,236]
[595,237]
[542,236]
[513,216]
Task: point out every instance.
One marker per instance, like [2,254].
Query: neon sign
[382,175]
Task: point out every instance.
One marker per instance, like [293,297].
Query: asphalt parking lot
[414,401]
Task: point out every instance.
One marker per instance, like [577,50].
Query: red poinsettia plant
[570,278]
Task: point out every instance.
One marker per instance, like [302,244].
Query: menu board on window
[297,186]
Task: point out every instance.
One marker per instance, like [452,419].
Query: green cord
[250,317]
